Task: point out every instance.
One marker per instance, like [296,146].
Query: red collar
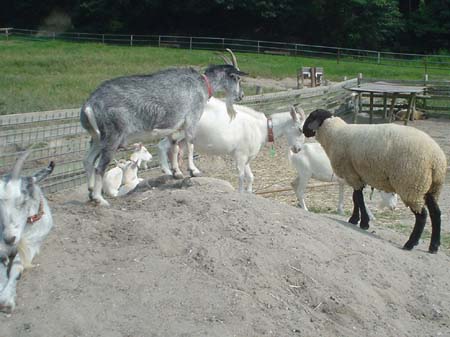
[208,85]
[270,130]
[36,217]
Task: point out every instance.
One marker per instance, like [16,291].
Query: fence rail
[242,45]
[58,136]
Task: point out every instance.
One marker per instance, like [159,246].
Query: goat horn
[18,165]
[299,110]
[224,58]
[233,57]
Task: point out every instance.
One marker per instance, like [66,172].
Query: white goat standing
[242,138]
[312,162]
[25,221]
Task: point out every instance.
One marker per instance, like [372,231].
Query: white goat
[121,179]
[130,178]
[113,178]
[312,162]
[242,138]
[25,221]
[141,155]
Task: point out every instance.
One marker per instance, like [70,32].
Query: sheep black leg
[354,219]
[359,207]
[364,224]
[421,218]
[435,215]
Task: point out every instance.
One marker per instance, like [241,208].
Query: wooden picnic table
[388,90]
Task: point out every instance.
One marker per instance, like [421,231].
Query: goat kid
[25,221]
[242,138]
[312,162]
[141,155]
[158,105]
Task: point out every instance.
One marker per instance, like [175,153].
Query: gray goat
[25,221]
[159,104]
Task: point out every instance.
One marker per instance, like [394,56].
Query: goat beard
[230,108]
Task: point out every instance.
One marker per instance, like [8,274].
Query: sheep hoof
[409,245]
[353,220]
[364,226]
[433,249]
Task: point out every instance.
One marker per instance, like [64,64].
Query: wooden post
[190,43]
[258,47]
[159,40]
[411,99]
[371,108]
[391,110]
[385,105]
[379,58]
[103,38]
[338,55]
[131,40]
[313,77]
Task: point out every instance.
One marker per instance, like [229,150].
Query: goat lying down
[242,138]
[123,178]
[25,221]
[312,162]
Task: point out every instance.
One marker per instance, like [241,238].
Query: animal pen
[58,135]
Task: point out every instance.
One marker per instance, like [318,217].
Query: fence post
[54,36]
[426,64]
[7,34]
[379,58]
[103,38]
[190,43]
[131,40]
[258,47]
[159,40]
[338,55]
[223,43]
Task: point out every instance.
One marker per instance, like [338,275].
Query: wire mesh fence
[58,136]
[242,45]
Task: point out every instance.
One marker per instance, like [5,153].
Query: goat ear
[42,174]
[294,115]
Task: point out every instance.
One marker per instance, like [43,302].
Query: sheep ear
[315,124]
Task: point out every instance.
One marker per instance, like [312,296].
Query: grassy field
[47,75]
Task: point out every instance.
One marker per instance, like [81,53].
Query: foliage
[403,25]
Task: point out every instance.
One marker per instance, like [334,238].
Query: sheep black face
[314,121]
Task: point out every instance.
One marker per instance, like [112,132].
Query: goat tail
[91,125]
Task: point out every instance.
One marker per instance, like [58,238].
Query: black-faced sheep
[389,157]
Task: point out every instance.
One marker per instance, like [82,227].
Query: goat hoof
[101,202]
[7,308]
[178,175]
[195,173]
[353,220]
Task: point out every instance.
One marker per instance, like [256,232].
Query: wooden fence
[58,135]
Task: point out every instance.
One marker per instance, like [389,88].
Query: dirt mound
[199,259]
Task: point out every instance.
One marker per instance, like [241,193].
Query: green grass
[46,75]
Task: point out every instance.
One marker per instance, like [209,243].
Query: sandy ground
[203,260]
